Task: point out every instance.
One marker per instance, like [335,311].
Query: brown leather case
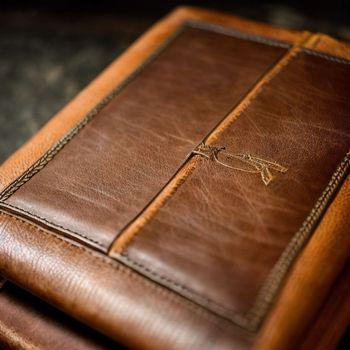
[194,196]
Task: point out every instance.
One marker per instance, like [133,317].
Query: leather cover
[189,194]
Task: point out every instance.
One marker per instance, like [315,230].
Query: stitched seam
[237,34]
[326,56]
[264,40]
[4,205]
[230,315]
[127,272]
[124,237]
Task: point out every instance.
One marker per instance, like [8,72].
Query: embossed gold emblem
[241,161]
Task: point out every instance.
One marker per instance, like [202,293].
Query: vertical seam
[128,234]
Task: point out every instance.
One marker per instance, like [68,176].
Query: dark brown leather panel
[113,167]
[26,322]
[219,236]
[107,295]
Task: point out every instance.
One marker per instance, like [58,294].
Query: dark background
[50,50]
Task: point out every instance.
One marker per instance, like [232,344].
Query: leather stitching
[236,33]
[204,301]
[128,272]
[326,56]
[31,215]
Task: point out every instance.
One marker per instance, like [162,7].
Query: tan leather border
[332,320]
[327,45]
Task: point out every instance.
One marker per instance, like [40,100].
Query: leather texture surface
[222,232]
[28,323]
[108,172]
